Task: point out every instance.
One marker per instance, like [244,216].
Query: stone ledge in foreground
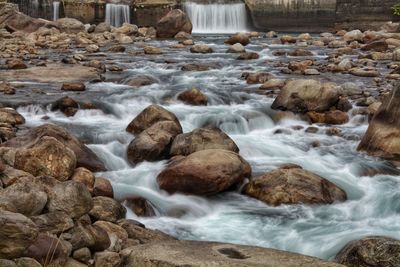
[211,254]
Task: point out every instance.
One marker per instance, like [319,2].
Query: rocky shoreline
[57,209]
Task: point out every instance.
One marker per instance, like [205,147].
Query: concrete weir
[263,15]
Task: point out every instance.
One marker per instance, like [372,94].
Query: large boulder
[11,116]
[84,156]
[153,144]
[307,95]
[70,25]
[14,21]
[172,23]
[202,139]
[204,172]
[198,253]
[71,197]
[382,138]
[53,222]
[24,196]
[107,209]
[293,185]
[369,251]
[17,233]
[42,156]
[46,245]
[149,116]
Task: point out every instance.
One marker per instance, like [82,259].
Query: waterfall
[217,17]
[56,10]
[117,14]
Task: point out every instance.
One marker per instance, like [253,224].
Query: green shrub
[396,9]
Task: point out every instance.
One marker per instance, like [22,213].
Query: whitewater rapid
[373,205]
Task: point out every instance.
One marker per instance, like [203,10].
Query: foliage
[396,9]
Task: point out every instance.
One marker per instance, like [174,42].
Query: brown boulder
[201,48]
[74,87]
[300,66]
[240,38]
[140,206]
[11,116]
[85,157]
[204,172]
[142,234]
[102,187]
[84,176]
[116,234]
[140,80]
[193,97]
[378,46]
[382,138]
[16,64]
[43,156]
[153,143]
[53,222]
[149,116]
[24,196]
[293,185]
[17,233]
[46,245]
[174,22]
[307,95]
[66,105]
[377,251]
[329,117]
[107,259]
[70,25]
[202,139]
[248,56]
[26,262]
[15,21]
[107,209]
[151,50]
[70,197]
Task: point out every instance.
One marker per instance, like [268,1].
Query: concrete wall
[319,15]
[292,15]
[364,14]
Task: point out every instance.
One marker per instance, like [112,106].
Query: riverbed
[244,112]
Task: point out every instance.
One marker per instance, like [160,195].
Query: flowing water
[56,10]
[373,207]
[217,17]
[117,14]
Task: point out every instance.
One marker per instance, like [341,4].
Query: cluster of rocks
[54,211]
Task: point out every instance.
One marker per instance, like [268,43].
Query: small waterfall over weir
[117,14]
[220,17]
[56,10]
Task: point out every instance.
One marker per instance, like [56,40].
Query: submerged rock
[293,185]
[204,172]
[374,251]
